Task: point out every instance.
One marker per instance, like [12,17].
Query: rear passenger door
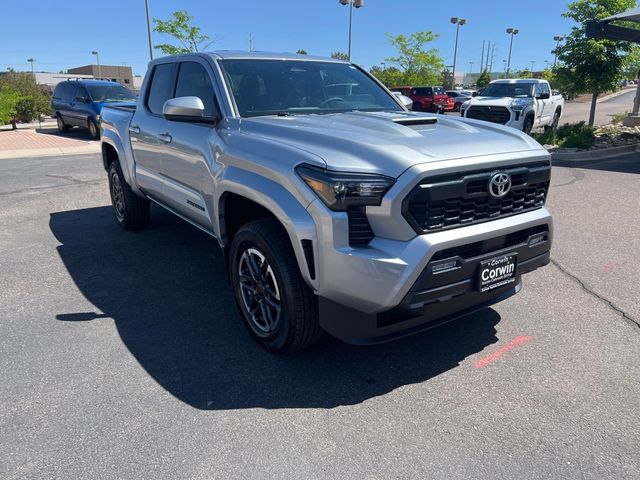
[147,130]
[188,163]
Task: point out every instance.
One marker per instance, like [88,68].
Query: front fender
[279,201]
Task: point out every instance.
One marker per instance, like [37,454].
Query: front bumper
[437,298]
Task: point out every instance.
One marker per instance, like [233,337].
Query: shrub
[573,135]
[619,117]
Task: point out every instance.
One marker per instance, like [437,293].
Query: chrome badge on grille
[499,184]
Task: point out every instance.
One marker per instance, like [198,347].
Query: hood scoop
[411,121]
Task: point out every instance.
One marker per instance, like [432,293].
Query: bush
[619,117]
[33,101]
[573,135]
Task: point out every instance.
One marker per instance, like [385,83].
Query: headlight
[340,190]
[519,105]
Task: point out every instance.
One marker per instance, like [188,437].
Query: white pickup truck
[524,104]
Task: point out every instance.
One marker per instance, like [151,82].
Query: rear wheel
[62,127]
[94,131]
[554,123]
[131,211]
[456,106]
[276,305]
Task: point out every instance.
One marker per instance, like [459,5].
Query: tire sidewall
[527,121]
[243,240]
[94,132]
[114,169]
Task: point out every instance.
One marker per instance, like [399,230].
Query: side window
[545,88]
[81,94]
[64,90]
[194,81]
[160,88]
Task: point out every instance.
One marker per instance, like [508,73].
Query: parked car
[427,99]
[341,212]
[78,103]
[458,98]
[524,104]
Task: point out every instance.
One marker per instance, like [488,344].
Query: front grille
[489,114]
[453,201]
[360,232]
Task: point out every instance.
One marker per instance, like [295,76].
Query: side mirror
[82,99]
[474,94]
[404,100]
[186,109]
[544,96]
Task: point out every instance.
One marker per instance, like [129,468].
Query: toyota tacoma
[337,210]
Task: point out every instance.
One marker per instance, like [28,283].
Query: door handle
[165,137]
[134,129]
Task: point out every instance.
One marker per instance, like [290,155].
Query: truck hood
[386,142]
[498,101]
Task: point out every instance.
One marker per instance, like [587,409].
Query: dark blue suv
[78,103]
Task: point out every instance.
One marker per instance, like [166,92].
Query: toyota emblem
[499,184]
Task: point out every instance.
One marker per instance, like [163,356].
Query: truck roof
[520,80]
[239,54]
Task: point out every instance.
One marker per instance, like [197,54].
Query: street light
[149,30]
[505,65]
[32,61]
[558,39]
[532,62]
[351,3]
[513,32]
[95,52]
[458,22]
[471,66]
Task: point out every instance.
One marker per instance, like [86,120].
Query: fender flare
[126,164]
[285,207]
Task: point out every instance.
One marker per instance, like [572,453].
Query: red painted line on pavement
[516,342]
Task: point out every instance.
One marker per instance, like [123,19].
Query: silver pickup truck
[337,209]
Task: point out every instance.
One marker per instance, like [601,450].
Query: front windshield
[269,87]
[110,93]
[515,90]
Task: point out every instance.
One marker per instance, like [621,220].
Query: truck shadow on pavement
[166,290]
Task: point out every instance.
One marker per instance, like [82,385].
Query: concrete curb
[615,94]
[46,152]
[590,155]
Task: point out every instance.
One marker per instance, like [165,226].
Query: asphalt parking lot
[122,356]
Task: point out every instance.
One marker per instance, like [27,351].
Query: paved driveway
[122,355]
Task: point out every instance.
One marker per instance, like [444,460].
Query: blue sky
[61,35]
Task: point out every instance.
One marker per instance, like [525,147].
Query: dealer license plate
[497,272]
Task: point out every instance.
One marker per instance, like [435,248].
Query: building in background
[120,74]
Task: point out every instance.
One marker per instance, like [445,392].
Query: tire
[528,125]
[276,305]
[554,123]
[456,107]
[62,127]
[94,130]
[130,211]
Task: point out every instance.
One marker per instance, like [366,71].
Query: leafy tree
[340,55]
[484,79]
[524,73]
[632,63]
[417,65]
[391,76]
[301,52]
[33,101]
[592,65]
[9,99]
[180,27]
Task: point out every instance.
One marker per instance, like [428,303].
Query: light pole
[32,61]
[95,52]
[351,3]
[149,30]
[532,62]
[458,22]
[471,66]
[513,32]
[558,39]
[505,65]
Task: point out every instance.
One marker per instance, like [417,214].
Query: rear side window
[64,90]
[438,91]
[160,89]
[193,80]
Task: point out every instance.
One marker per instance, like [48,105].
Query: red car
[427,99]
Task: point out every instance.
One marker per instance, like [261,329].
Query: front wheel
[528,125]
[554,123]
[276,305]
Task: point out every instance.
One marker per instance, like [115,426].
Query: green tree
[524,73]
[632,63]
[340,55]
[180,27]
[9,99]
[417,65]
[391,76]
[593,66]
[483,80]
[301,52]
[33,101]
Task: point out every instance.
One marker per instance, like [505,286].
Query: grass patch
[574,135]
